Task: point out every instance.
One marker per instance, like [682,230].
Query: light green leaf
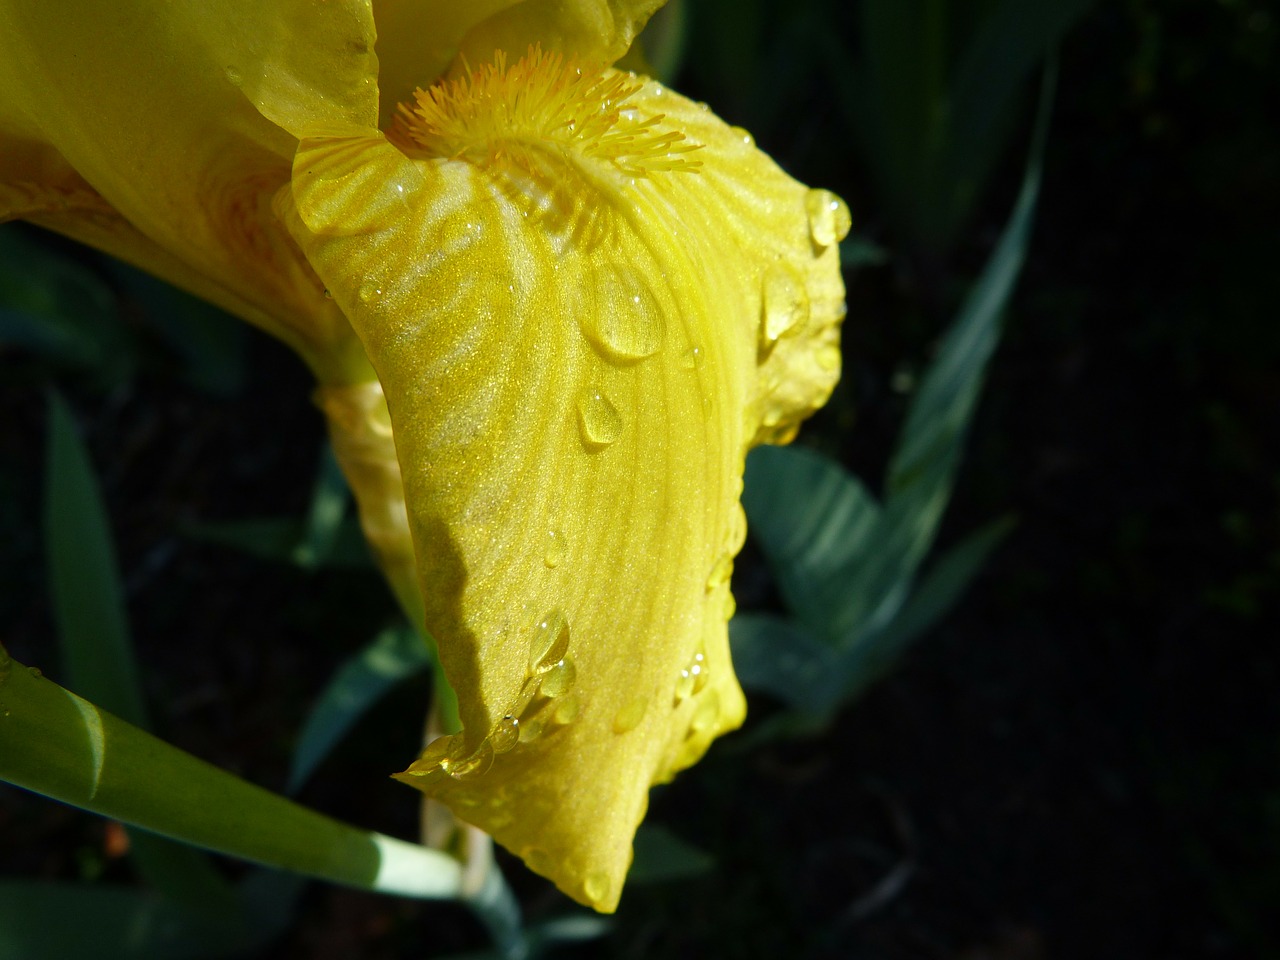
[392,656]
[59,745]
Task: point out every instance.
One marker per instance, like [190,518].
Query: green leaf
[208,344]
[661,856]
[871,656]
[779,657]
[813,520]
[329,499]
[277,539]
[88,606]
[55,306]
[56,921]
[392,656]
[922,469]
[60,745]
[88,603]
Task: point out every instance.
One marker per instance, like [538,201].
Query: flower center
[541,107]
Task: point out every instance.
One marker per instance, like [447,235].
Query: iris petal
[575,359]
[181,124]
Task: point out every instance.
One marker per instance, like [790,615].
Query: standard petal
[182,124]
[418,39]
[570,340]
[599,31]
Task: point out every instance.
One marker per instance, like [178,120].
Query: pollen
[542,107]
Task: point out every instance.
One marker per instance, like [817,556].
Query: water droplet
[557,680]
[473,766]
[599,422]
[550,641]
[626,322]
[707,715]
[567,710]
[692,358]
[747,139]
[437,757]
[555,549]
[35,672]
[525,697]
[829,218]
[684,686]
[369,291]
[234,77]
[720,572]
[785,305]
[629,717]
[596,886]
[505,735]
[532,728]
[327,294]
[829,359]
[701,672]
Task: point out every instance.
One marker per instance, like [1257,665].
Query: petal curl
[576,354]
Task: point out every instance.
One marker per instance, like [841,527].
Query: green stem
[60,745]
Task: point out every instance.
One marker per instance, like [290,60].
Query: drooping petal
[184,125]
[580,327]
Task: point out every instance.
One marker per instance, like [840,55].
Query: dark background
[1081,762]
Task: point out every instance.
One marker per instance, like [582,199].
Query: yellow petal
[180,120]
[596,30]
[418,39]
[579,332]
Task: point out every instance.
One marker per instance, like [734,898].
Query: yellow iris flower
[582,296]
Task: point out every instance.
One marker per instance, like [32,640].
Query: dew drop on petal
[829,217]
[531,729]
[626,323]
[435,758]
[567,710]
[369,292]
[684,686]
[785,305]
[599,422]
[747,139]
[629,717]
[554,555]
[550,641]
[234,77]
[700,671]
[721,571]
[692,358]
[557,680]
[505,735]
[475,765]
